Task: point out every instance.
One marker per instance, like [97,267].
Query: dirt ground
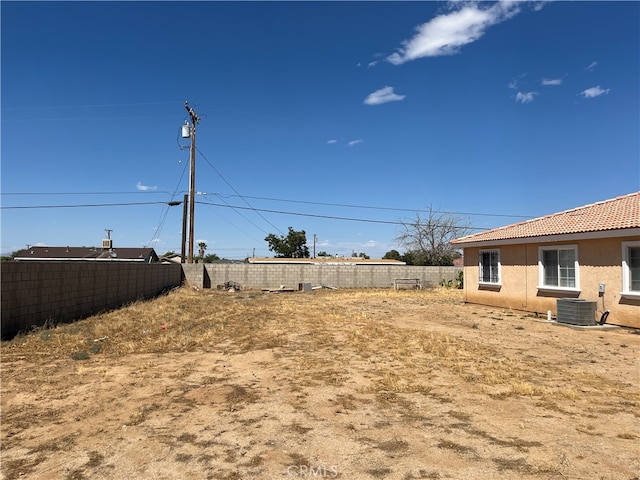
[349,384]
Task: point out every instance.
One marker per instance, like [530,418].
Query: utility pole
[192,177]
[184,228]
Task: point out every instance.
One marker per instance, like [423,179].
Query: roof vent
[107,243]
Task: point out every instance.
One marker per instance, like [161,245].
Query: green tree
[392,255]
[415,257]
[323,254]
[294,245]
[212,257]
[6,258]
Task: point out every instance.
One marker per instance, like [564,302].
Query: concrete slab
[587,327]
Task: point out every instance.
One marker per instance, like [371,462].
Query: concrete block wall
[36,292]
[341,276]
[196,275]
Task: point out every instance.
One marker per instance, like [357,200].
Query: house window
[558,267]
[631,268]
[489,264]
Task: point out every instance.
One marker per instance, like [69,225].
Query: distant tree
[294,245]
[6,258]
[169,253]
[415,257]
[364,255]
[323,254]
[427,238]
[392,255]
[202,247]
[212,257]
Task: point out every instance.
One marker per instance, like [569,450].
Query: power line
[128,117]
[165,209]
[231,186]
[97,105]
[239,213]
[143,192]
[244,197]
[238,228]
[376,208]
[330,217]
[13,207]
[280,212]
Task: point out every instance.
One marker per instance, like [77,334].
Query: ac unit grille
[576,311]
[107,243]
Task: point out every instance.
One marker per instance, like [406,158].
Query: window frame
[626,277]
[481,282]
[541,269]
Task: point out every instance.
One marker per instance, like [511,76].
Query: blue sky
[337,118]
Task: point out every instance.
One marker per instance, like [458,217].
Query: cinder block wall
[36,292]
[341,276]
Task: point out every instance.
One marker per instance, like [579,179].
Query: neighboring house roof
[89,253]
[171,258]
[615,217]
[327,261]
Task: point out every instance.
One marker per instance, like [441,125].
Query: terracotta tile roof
[614,214]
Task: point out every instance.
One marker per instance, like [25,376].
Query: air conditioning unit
[576,311]
[107,243]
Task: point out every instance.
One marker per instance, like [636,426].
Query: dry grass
[186,321]
[345,353]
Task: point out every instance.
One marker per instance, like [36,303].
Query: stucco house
[590,253]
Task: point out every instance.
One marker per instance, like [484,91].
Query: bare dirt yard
[349,384]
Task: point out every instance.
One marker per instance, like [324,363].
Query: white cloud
[552,81]
[594,92]
[592,66]
[332,142]
[537,6]
[517,81]
[372,64]
[525,97]
[384,95]
[145,188]
[445,34]
[354,142]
